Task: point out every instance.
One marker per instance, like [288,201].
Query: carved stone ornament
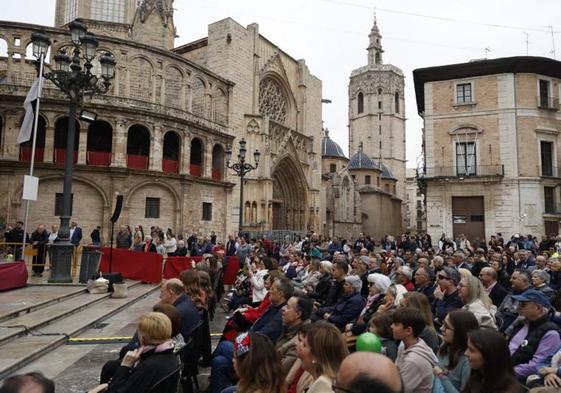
[147,6]
[272,100]
[369,83]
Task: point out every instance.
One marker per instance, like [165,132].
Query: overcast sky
[332,36]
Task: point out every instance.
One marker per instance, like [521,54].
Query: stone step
[19,351]
[49,313]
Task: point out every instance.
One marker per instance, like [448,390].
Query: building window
[108,10]
[378,181]
[544,94]
[418,192]
[549,199]
[387,187]
[379,130]
[396,102]
[360,103]
[380,116]
[463,93]
[58,204]
[332,168]
[465,158]
[367,179]
[207,211]
[152,208]
[379,104]
[546,149]
[70,10]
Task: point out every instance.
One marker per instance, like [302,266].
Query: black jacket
[151,369]
[498,294]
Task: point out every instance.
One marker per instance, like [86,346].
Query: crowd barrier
[136,265]
[12,275]
[175,265]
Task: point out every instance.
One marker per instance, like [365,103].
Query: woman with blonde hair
[476,300]
[321,352]
[257,364]
[420,301]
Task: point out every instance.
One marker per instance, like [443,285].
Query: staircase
[37,319]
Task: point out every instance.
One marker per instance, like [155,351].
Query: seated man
[28,383]
[415,359]
[348,307]
[269,324]
[535,338]
[365,372]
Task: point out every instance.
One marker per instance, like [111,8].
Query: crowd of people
[452,316]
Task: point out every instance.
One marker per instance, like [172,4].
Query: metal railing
[462,172]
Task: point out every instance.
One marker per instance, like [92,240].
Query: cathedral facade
[163,128]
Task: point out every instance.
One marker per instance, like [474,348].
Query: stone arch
[172,152]
[217,161]
[100,143]
[138,147]
[247,213]
[141,78]
[276,99]
[254,212]
[196,160]
[290,192]
[135,205]
[220,104]
[173,82]
[198,96]
[360,102]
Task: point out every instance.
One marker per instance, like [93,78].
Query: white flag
[27,125]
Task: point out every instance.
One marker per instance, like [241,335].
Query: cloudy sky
[332,36]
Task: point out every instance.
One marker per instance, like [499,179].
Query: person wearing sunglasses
[447,297]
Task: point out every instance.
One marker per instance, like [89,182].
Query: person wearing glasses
[446,295]
[477,301]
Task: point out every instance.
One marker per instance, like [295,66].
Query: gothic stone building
[162,129]
[491,131]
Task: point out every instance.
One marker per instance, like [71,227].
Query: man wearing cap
[446,295]
[520,281]
[535,338]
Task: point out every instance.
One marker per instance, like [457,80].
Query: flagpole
[35,124]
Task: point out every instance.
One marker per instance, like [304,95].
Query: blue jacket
[345,311]
[445,305]
[76,236]
[190,317]
[270,322]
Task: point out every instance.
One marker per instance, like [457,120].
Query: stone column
[83,144]
[119,145]
[185,154]
[12,128]
[207,158]
[48,155]
[156,151]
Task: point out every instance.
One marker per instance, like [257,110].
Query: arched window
[360,103]
[25,147]
[100,140]
[396,102]
[196,159]
[138,147]
[272,100]
[247,213]
[217,162]
[254,212]
[170,162]
[61,132]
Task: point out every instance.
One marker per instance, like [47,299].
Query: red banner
[136,265]
[175,265]
[12,275]
[231,269]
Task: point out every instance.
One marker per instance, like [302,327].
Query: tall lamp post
[75,80]
[241,168]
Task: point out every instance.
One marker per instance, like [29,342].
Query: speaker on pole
[114,218]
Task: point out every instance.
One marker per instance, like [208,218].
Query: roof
[386,173]
[330,148]
[518,64]
[361,161]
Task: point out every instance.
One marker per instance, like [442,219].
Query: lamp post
[241,168]
[75,80]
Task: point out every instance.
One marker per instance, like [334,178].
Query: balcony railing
[137,162]
[461,173]
[60,156]
[195,170]
[25,154]
[98,158]
[170,166]
[216,174]
[551,103]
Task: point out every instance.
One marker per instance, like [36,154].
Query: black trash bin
[89,265]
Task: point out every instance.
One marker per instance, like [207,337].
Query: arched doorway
[138,147]
[170,162]
[196,159]
[289,196]
[61,136]
[100,141]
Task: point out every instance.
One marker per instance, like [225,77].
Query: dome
[386,173]
[361,161]
[330,148]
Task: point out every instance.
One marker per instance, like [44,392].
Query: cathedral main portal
[289,196]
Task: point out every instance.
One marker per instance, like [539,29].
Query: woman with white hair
[349,305]
[393,297]
[403,276]
[378,284]
[476,300]
[324,282]
[540,281]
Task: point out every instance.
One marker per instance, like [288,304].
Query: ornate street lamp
[241,168]
[73,76]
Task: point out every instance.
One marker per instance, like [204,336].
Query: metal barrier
[277,235]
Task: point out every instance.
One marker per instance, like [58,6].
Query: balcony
[60,156]
[548,171]
[195,170]
[216,174]
[453,172]
[98,158]
[137,162]
[549,103]
[25,154]
[170,166]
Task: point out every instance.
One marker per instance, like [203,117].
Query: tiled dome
[329,148]
[361,161]
[386,173]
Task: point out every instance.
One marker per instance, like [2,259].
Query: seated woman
[348,307]
[321,353]
[153,363]
[476,300]
[380,325]
[393,297]
[257,365]
[378,286]
[421,302]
